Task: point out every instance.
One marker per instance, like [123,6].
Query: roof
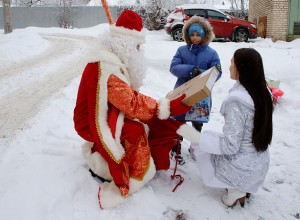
[200,6]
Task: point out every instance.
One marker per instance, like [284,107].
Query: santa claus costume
[129,134]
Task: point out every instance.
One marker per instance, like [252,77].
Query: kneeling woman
[238,159]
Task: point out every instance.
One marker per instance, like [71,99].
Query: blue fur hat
[196,28]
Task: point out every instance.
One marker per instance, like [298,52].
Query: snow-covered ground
[43,174]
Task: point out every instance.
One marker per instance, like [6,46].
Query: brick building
[276,19]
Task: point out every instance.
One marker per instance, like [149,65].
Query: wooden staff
[107,12]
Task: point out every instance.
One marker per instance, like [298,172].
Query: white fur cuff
[189,133]
[163,110]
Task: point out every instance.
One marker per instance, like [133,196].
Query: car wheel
[241,35]
[178,35]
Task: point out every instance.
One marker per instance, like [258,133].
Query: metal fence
[77,17]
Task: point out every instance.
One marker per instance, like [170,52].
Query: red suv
[225,26]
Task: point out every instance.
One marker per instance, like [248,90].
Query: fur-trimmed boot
[233,196]
[96,162]
[110,195]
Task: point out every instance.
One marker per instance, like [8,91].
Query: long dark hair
[251,75]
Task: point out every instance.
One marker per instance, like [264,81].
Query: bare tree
[7,17]
[153,12]
[30,3]
[243,7]
[238,8]
[231,4]
[64,17]
[150,11]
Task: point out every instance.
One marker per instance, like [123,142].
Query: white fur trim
[147,129]
[137,36]
[189,133]
[241,94]
[113,144]
[98,54]
[87,149]
[163,109]
[119,126]
[110,195]
[135,185]
[95,161]
[244,96]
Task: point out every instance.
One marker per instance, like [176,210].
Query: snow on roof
[200,6]
[191,6]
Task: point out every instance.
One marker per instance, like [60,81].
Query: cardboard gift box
[197,88]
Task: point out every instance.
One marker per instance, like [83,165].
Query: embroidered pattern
[97,119]
[139,157]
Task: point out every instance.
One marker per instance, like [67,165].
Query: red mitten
[177,108]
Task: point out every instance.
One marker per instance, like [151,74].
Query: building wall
[279,20]
[277,16]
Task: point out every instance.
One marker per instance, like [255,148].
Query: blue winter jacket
[189,56]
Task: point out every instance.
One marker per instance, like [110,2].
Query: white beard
[133,59]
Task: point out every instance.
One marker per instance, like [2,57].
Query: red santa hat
[129,25]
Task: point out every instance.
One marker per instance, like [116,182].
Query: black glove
[195,72]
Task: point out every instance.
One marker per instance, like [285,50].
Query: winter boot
[99,177]
[197,125]
[173,153]
[233,196]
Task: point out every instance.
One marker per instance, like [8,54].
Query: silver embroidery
[240,165]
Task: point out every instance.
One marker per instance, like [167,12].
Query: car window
[198,12]
[215,15]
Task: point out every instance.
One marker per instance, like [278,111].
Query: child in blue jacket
[192,59]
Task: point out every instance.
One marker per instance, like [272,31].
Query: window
[297,28]
[198,12]
[215,15]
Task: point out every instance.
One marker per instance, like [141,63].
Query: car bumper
[167,29]
[253,36]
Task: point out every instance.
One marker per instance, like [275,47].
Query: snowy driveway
[26,85]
